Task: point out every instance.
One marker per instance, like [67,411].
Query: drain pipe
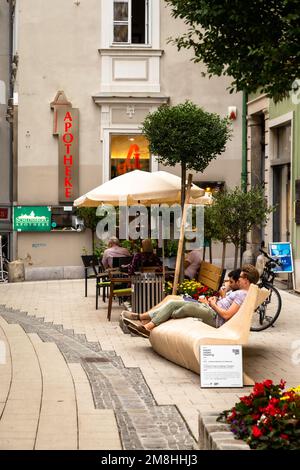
[244,163]
[244,143]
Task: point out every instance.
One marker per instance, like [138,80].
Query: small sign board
[4,214]
[283,252]
[32,219]
[221,366]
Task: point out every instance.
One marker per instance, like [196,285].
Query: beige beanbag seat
[179,340]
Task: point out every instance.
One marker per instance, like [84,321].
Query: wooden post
[181,239]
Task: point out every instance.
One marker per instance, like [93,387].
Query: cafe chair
[120,286]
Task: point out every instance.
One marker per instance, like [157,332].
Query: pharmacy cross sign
[66,127]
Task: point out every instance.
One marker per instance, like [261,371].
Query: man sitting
[114,250]
[212,311]
[192,263]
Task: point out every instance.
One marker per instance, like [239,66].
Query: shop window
[211,187]
[130,21]
[128,153]
[64,218]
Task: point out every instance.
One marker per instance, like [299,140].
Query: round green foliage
[186,134]
[256,42]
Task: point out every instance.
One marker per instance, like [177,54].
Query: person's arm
[225,314]
[187,261]
[105,260]
[134,264]
[224,289]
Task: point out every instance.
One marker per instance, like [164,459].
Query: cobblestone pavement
[166,397]
[142,423]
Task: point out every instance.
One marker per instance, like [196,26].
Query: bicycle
[268,312]
[3,264]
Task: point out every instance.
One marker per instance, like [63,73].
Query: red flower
[258,389]
[274,401]
[256,432]
[268,383]
[272,410]
[284,436]
[246,400]
[282,384]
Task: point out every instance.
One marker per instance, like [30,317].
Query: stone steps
[45,402]
[19,420]
[5,369]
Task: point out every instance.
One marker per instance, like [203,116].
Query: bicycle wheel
[268,312]
[4,276]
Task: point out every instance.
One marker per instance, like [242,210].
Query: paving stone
[142,423]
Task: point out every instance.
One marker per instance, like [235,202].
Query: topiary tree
[186,134]
[236,213]
[215,222]
[254,42]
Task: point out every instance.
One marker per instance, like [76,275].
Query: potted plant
[170,250]
[268,418]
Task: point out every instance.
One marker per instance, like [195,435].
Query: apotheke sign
[66,126]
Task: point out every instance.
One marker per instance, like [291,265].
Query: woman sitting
[145,258]
[212,311]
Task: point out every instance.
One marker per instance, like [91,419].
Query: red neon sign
[129,165]
[68,139]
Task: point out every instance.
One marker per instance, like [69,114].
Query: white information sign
[221,366]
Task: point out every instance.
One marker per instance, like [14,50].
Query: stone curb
[217,436]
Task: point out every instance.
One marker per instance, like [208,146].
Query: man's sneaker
[139,330]
[129,315]
[128,322]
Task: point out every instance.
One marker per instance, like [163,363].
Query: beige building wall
[66,47]
[4,95]
[58,51]
[181,79]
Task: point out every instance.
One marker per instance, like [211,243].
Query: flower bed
[192,288]
[268,418]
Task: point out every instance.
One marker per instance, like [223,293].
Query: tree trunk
[236,253]
[183,184]
[93,240]
[223,255]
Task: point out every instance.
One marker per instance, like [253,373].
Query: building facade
[274,160]
[5,132]
[88,73]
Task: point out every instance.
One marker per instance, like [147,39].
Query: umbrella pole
[181,239]
[163,260]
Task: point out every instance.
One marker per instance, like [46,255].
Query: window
[64,218]
[128,153]
[130,21]
[283,142]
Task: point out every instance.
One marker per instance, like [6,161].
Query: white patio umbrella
[138,187]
